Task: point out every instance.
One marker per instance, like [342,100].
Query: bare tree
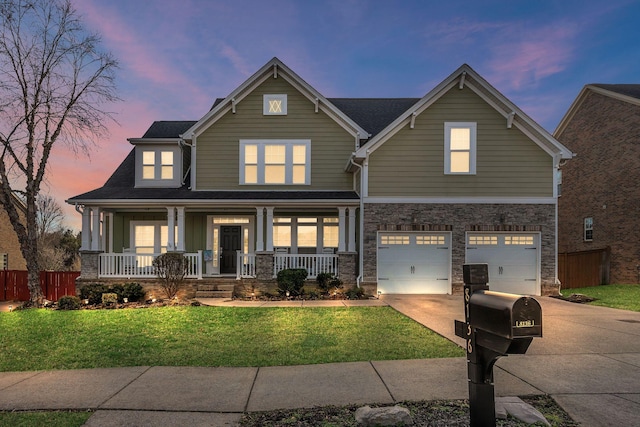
[55,82]
[49,215]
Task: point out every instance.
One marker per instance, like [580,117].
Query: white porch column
[95,230]
[107,231]
[269,229]
[180,242]
[86,229]
[171,229]
[259,229]
[351,247]
[341,229]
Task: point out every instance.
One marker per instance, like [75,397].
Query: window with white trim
[150,237]
[588,229]
[275,162]
[274,104]
[460,148]
[158,166]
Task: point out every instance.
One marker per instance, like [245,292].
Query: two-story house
[391,194]
[601,186]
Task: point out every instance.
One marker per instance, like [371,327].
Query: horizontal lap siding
[411,163]
[217,159]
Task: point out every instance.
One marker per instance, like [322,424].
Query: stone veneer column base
[348,267]
[264,266]
[89,264]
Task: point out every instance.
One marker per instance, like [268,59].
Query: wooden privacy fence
[583,269]
[54,284]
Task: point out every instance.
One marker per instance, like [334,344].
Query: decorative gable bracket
[510,117]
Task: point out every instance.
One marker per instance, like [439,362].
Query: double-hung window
[157,166]
[588,229]
[460,148]
[275,162]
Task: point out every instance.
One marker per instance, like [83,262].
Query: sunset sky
[177,56]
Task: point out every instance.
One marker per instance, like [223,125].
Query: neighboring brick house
[10,254]
[600,202]
[393,194]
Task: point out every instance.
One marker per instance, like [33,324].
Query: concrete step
[215,287]
[214,294]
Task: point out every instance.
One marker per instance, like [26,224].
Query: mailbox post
[496,324]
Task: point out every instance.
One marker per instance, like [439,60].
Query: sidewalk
[588,360]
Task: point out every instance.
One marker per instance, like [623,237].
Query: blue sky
[177,56]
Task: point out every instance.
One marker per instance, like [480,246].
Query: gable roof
[275,69]
[466,76]
[168,129]
[623,92]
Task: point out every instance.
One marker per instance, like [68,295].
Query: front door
[230,243]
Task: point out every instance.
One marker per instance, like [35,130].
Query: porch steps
[216,288]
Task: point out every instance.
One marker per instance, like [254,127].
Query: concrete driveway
[588,358]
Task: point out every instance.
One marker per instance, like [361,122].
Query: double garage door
[420,263]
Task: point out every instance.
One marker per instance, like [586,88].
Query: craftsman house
[391,194]
[601,186]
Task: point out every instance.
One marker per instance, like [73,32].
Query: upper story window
[274,105]
[460,148]
[157,166]
[588,229]
[275,162]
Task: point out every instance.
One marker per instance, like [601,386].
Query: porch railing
[141,265]
[314,264]
[246,265]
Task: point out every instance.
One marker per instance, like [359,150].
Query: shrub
[93,293]
[171,268]
[69,302]
[355,293]
[117,289]
[291,280]
[109,298]
[328,283]
[133,291]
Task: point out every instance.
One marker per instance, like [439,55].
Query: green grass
[625,297]
[49,418]
[211,336]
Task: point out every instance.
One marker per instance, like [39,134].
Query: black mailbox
[506,315]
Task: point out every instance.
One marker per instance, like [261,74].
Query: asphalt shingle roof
[632,90]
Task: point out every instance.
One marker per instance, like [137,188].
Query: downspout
[361,240]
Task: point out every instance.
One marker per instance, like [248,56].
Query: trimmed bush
[69,302]
[328,283]
[93,293]
[171,267]
[109,298]
[133,291]
[355,293]
[291,280]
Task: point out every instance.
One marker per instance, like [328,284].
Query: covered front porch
[239,242]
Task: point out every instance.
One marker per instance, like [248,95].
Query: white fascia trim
[163,203]
[405,118]
[521,115]
[154,141]
[327,107]
[464,200]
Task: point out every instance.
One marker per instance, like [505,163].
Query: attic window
[274,105]
[460,148]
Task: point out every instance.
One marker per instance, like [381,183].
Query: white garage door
[414,263]
[512,259]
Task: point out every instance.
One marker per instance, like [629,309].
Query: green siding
[217,155]
[508,163]
[195,229]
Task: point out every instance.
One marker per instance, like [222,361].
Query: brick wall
[458,219]
[9,243]
[603,182]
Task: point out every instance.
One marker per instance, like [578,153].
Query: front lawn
[45,418]
[212,336]
[625,297]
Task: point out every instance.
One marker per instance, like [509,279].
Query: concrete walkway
[588,360]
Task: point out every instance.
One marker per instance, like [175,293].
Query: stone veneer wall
[459,219]
[348,268]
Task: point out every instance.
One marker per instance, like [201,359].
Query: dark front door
[230,242]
